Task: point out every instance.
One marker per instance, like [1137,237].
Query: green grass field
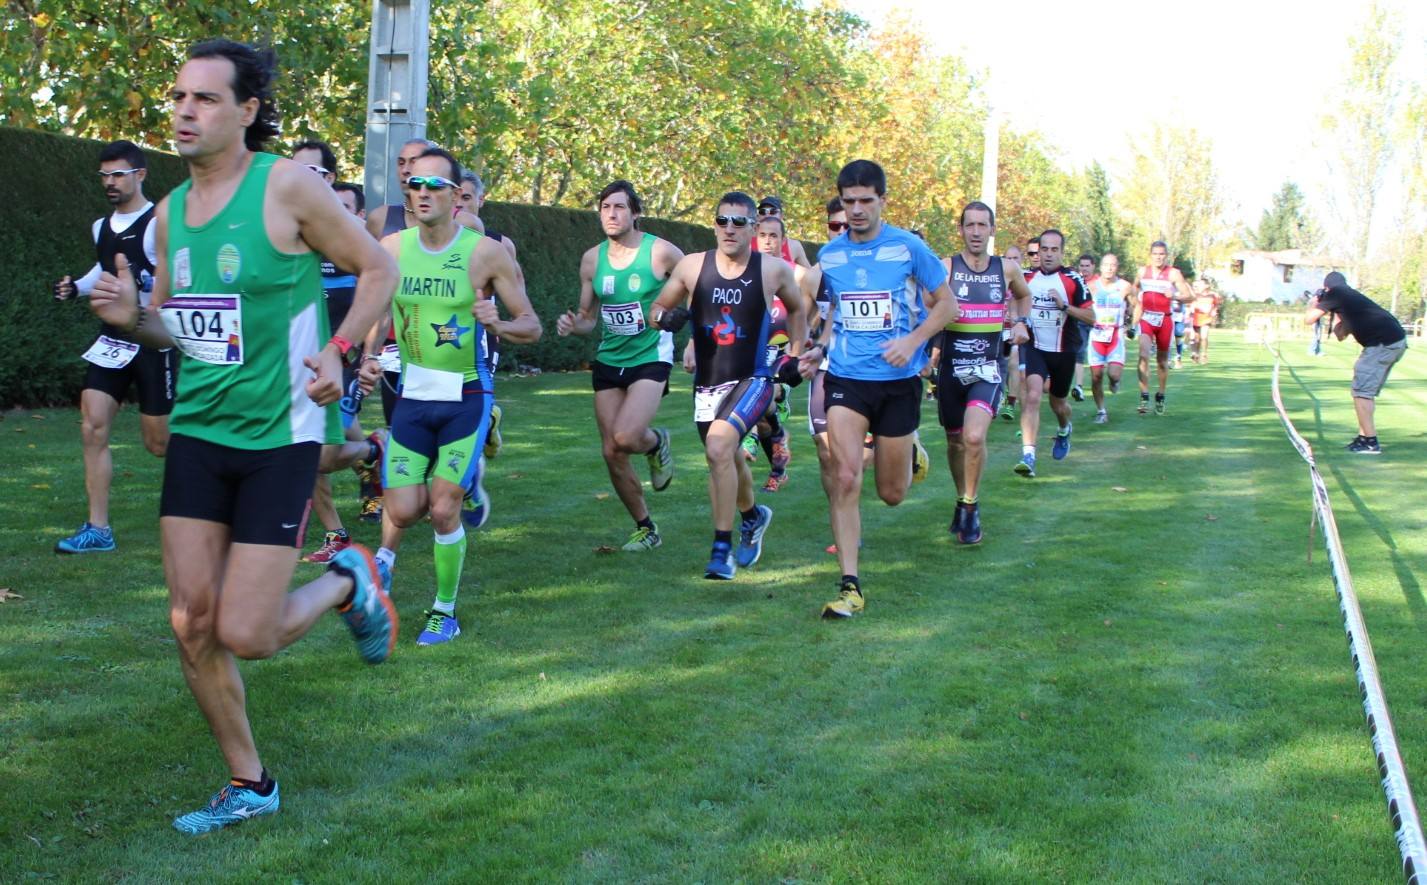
[1137,677]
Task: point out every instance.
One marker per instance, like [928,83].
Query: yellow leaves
[41,20]
[135,100]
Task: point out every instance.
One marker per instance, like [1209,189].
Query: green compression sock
[449,553]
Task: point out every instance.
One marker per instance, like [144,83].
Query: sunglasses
[735,220]
[837,227]
[767,210]
[116,174]
[320,170]
[430,182]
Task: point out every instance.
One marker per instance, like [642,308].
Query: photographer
[1383,341]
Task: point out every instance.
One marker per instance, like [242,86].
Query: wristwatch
[347,349]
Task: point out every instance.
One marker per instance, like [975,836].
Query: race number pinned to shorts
[1102,334]
[708,399]
[865,311]
[1153,318]
[111,353]
[208,328]
[988,372]
[390,358]
[431,385]
[623,319]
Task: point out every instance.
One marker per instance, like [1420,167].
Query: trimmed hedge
[47,234]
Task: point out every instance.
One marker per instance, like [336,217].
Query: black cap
[771,201]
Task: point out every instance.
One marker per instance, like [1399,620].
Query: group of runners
[256,285]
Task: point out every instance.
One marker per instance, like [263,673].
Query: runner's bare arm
[810,283]
[665,256]
[330,230]
[1020,299]
[491,266]
[785,287]
[376,221]
[1183,292]
[677,289]
[800,255]
[582,320]
[941,310]
[1086,312]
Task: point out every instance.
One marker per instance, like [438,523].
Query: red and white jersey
[1156,291]
[1050,292]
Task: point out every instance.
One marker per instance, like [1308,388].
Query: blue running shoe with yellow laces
[440,627]
[231,805]
[89,539]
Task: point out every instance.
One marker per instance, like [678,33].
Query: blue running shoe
[440,627]
[750,536]
[1061,447]
[1027,465]
[720,567]
[370,616]
[89,539]
[476,509]
[970,532]
[231,805]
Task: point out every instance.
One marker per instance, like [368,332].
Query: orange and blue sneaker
[231,805]
[370,615]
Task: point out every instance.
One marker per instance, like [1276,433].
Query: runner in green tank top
[619,280]
[434,457]
[236,289]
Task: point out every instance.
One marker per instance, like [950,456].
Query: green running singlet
[626,338]
[244,315]
[431,310]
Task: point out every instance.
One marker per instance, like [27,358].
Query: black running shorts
[604,377]
[152,373]
[1057,368]
[264,495]
[892,408]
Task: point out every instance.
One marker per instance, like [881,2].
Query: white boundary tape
[1395,788]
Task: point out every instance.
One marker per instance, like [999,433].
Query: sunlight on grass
[1111,686]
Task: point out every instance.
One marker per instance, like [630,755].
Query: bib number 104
[200,324]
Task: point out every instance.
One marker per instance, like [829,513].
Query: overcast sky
[1253,75]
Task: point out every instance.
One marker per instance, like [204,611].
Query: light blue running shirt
[876,293]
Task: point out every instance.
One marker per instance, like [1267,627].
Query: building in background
[1252,275]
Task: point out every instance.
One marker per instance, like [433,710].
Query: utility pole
[396,91]
[990,157]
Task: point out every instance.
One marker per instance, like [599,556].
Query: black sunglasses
[768,210]
[837,227]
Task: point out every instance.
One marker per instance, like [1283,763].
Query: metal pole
[989,160]
[396,91]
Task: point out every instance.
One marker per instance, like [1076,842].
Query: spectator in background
[1383,340]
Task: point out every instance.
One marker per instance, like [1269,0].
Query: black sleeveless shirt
[731,324]
[130,243]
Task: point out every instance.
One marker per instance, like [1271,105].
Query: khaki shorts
[1372,368]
